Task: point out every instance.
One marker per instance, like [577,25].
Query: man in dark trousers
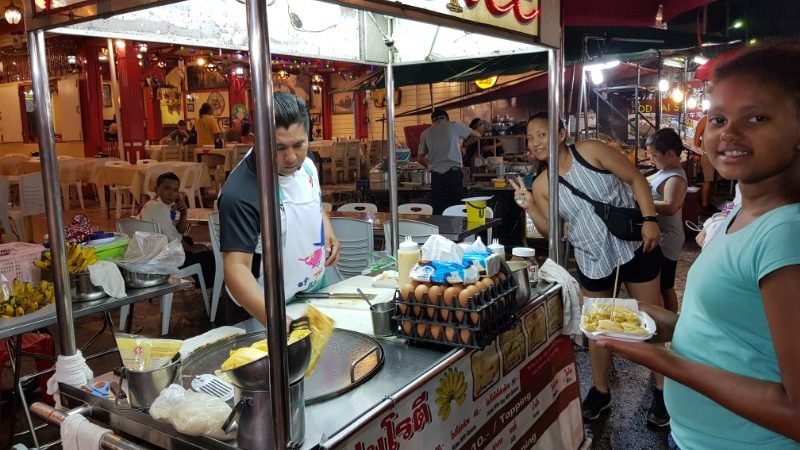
[441,147]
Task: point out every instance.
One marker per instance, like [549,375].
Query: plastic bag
[439,248]
[192,413]
[152,253]
[140,353]
[444,272]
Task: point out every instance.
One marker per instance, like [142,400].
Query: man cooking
[307,239]
[440,144]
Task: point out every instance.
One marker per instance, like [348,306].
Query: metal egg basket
[475,325]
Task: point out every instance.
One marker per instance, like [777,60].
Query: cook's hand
[651,236]
[655,356]
[331,248]
[522,196]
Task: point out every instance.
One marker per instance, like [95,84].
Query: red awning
[632,13]
[706,71]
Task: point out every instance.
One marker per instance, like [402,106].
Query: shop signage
[518,15]
[519,393]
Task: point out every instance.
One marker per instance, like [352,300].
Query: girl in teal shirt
[734,367]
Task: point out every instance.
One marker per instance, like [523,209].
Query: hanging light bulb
[677,95]
[691,103]
[705,104]
[201,61]
[120,44]
[13,14]
[663,85]
[597,76]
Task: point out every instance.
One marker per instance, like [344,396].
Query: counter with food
[371,392]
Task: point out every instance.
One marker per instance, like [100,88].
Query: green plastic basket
[113,249]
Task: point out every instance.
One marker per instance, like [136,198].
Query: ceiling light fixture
[663,85]
[282,75]
[700,59]
[691,103]
[13,14]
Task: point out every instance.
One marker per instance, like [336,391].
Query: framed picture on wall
[343,103]
[190,106]
[107,96]
[316,119]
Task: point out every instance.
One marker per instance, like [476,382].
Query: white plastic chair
[130,226]
[70,173]
[4,219]
[219,274]
[352,160]
[31,202]
[120,192]
[418,231]
[461,211]
[190,184]
[327,206]
[355,245]
[415,208]
[358,207]
[171,153]
[339,160]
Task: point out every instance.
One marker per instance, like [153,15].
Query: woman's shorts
[641,269]
[668,269]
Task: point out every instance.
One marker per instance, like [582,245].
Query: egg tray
[482,309]
[463,336]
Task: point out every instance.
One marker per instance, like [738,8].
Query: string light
[677,95]
[691,103]
[663,85]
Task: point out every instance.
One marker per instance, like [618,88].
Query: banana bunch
[78,258]
[452,386]
[25,298]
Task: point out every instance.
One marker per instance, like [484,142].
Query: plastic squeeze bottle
[407,257]
[498,248]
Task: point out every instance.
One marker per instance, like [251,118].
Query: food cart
[519,391]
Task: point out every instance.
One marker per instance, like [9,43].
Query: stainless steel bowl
[82,290]
[519,270]
[145,386]
[138,280]
[253,375]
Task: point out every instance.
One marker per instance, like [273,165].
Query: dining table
[133,176]
[452,227]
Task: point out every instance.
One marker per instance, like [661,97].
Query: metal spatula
[213,385]
[336,295]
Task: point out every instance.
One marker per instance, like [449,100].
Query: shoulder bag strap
[576,191]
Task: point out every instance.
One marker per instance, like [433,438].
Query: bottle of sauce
[528,254]
[407,257]
[498,248]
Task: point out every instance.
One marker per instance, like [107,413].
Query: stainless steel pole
[581,91]
[394,239]
[659,94]
[112,67]
[51,182]
[554,113]
[264,123]
[636,115]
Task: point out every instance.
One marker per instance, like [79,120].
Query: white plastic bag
[152,253]
[192,413]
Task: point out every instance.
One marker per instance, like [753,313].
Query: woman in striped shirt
[606,175]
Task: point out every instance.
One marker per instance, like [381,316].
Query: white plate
[647,322]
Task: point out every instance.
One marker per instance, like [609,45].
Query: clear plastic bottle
[407,257]
[528,254]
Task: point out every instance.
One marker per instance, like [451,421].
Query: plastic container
[497,248]
[407,257]
[529,255]
[16,261]
[111,250]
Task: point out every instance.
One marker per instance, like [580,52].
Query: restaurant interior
[117,102]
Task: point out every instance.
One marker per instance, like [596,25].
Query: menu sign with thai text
[520,392]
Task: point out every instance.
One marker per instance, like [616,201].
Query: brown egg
[406,290]
[415,283]
[444,314]
[465,336]
[451,295]
[465,295]
[419,293]
[488,282]
[436,331]
[416,311]
[430,312]
[474,318]
[502,276]
[407,327]
[450,334]
[460,286]
[434,293]
[402,307]
[428,283]
[422,330]
[458,315]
